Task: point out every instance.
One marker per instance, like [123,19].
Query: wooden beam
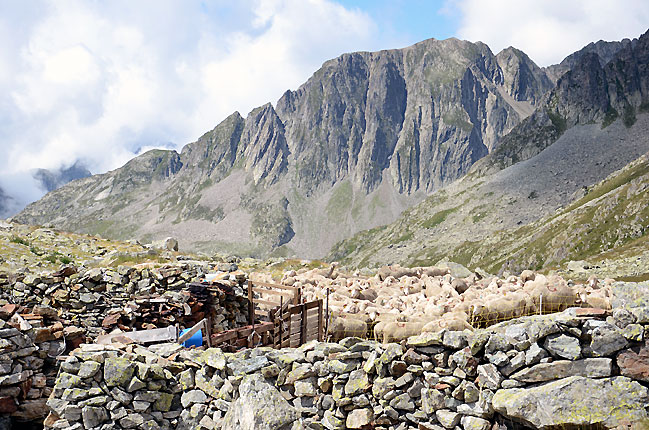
[188,334]
[278,286]
[266,302]
[251,305]
[274,292]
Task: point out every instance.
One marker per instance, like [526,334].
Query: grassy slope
[609,221]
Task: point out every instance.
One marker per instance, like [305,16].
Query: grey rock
[489,377]
[191,397]
[606,340]
[259,407]
[431,400]
[359,418]
[93,416]
[448,419]
[575,401]
[588,367]
[474,423]
[240,367]
[563,346]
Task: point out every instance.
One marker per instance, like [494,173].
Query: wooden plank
[251,305]
[202,324]
[278,286]
[261,313]
[266,302]
[155,335]
[320,324]
[304,323]
[274,293]
[311,305]
[223,337]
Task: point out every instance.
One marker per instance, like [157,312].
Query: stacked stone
[86,298]
[27,362]
[577,368]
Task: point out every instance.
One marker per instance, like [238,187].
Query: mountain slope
[570,143]
[368,135]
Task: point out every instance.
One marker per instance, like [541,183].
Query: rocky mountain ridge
[368,135]
[502,214]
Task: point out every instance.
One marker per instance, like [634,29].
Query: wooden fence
[276,317]
[270,296]
[296,325]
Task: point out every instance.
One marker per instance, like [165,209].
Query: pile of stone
[28,368]
[100,300]
[580,367]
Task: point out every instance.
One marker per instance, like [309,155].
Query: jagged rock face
[51,180]
[424,113]
[604,50]
[368,135]
[524,80]
[597,89]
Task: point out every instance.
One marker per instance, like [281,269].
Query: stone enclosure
[581,367]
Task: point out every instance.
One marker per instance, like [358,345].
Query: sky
[102,81]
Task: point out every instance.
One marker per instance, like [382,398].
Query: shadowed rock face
[384,127]
[51,180]
[3,202]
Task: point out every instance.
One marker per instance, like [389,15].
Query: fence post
[320,320]
[326,334]
[251,305]
[304,325]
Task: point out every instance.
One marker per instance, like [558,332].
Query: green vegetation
[459,119]
[340,202]
[610,117]
[628,116]
[438,218]
[608,185]
[558,121]
[19,240]
[127,259]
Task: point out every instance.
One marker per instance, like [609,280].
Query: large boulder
[575,401]
[260,406]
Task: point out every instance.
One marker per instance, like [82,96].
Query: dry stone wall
[98,300]
[580,367]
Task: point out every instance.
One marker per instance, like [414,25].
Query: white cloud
[550,30]
[99,80]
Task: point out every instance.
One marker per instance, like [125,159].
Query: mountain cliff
[367,136]
[568,182]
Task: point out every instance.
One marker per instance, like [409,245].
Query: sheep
[398,331]
[345,326]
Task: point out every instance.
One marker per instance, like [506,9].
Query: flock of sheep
[401,302]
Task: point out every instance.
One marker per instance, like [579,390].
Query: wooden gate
[298,324]
[270,296]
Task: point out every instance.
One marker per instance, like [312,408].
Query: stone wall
[86,297]
[27,365]
[580,367]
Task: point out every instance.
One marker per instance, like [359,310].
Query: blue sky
[410,21]
[100,81]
